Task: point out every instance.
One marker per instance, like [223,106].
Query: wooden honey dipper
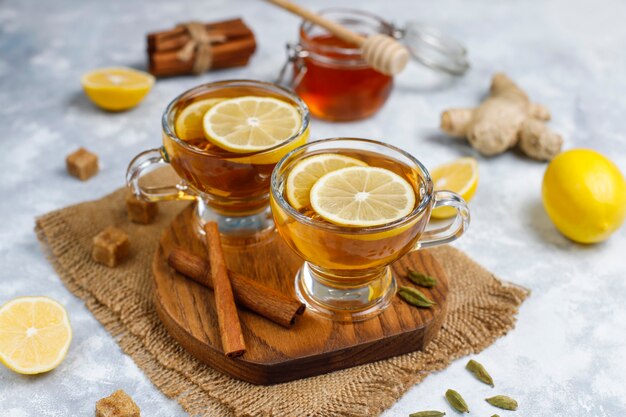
[384,53]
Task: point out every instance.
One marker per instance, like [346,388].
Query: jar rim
[320,52]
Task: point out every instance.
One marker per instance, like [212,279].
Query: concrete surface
[567,355]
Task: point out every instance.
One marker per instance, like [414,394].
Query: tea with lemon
[227,142]
[351,210]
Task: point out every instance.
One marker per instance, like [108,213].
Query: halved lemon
[117,89]
[306,172]
[35,334]
[362,196]
[460,176]
[251,124]
[188,123]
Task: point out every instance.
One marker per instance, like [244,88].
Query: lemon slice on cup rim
[362,196]
[35,334]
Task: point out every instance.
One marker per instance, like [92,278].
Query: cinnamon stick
[168,66]
[236,49]
[227,317]
[178,37]
[226,55]
[263,300]
[236,25]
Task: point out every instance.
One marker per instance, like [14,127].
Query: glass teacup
[230,188]
[346,274]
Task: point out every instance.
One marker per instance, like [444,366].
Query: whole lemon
[584,194]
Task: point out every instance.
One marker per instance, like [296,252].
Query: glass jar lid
[433,48]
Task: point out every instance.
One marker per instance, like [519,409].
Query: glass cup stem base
[347,304]
[234,230]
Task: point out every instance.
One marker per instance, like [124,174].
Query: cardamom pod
[415,297]
[502,401]
[420,279]
[479,372]
[456,401]
[428,414]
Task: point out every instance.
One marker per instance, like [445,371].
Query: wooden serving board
[314,345]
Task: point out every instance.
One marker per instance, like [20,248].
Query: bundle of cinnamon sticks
[194,47]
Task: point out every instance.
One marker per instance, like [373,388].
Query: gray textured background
[566,356]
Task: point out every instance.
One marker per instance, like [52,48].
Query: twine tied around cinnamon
[201,44]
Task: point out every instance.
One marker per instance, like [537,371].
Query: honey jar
[334,80]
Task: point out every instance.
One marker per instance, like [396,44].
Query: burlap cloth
[482,308]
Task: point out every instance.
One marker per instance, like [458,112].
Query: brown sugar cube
[118,404]
[82,164]
[110,247]
[141,211]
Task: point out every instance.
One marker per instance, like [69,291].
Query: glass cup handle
[146,162]
[452,231]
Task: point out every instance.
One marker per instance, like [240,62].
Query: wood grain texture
[251,294]
[313,345]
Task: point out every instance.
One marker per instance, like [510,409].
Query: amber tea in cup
[230,186]
[346,274]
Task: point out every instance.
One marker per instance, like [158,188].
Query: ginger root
[505,119]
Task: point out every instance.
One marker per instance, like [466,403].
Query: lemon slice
[35,334]
[274,155]
[251,124]
[117,89]
[460,176]
[362,196]
[188,123]
[306,172]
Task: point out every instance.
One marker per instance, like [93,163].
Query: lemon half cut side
[35,334]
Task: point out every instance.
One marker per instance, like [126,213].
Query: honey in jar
[337,84]
[332,77]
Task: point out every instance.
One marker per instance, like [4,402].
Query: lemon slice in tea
[362,196]
[251,124]
[35,334]
[306,172]
[188,123]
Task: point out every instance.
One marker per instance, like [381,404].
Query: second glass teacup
[230,187]
[346,274]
